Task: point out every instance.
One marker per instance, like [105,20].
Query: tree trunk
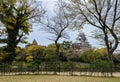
[111,63]
[11,45]
[57,55]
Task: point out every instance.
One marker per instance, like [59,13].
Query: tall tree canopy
[15,16]
[102,14]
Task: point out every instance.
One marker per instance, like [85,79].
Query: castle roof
[34,42]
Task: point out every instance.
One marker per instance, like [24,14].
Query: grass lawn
[54,78]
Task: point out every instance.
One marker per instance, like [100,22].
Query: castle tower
[81,42]
[34,42]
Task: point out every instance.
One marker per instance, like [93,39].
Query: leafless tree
[57,25]
[102,14]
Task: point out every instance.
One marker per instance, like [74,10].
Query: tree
[66,44]
[50,57]
[102,14]
[2,56]
[20,54]
[36,52]
[15,16]
[95,59]
[50,52]
[57,25]
[90,56]
[35,55]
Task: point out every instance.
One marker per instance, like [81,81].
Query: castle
[81,42]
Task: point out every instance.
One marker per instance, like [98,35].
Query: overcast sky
[42,37]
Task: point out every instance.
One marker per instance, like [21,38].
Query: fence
[64,68]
